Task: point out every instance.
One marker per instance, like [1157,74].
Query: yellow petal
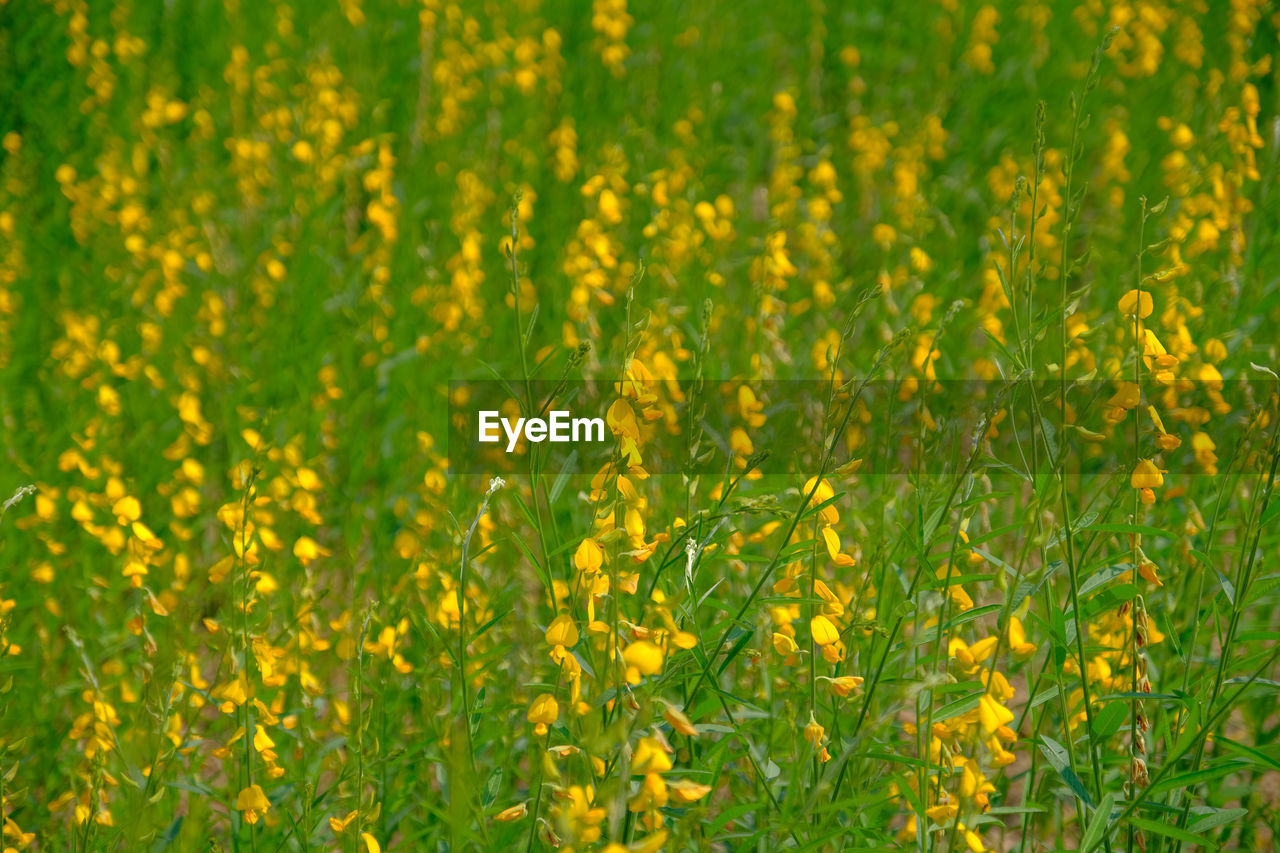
[589,557]
[562,632]
[1146,476]
[1136,301]
[512,813]
[686,791]
[679,722]
[824,633]
[832,541]
[644,656]
[992,714]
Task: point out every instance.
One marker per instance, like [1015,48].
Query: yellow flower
[307,549]
[832,541]
[1136,301]
[824,633]
[544,711]
[1127,396]
[562,632]
[650,844]
[686,791]
[253,802]
[824,492]
[844,685]
[581,814]
[127,510]
[589,557]
[1018,639]
[992,714]
[621,419]
[883,234]
[814,733]
[1149,570]
[643,658]
[651,756]
[784,644]
[813,730]
[1146,476]
[679,722]
[513,813]
[609,208]
[943,812]
[135,571]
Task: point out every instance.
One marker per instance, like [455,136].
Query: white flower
[21,493]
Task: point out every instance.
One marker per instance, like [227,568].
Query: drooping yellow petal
[340,824]
[992,714]
[1018,638]
[984,648]
[589,557]
[261,740]
[679,722]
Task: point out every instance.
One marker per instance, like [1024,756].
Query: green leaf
[998,810]
[1270,513]
[563,477]
[1101,576]
[1213,818]
[735,650]
[1248,752]
[495,620]
[1098,823]
[1190,779]
[1142,697]
[528,552]
[974,613]
[895,759]
[1109,720]
[1057,756]
[961,706]
[503,382]
[731,814]
[1129,528]
[1044,696]
[1157,828]
[492,787]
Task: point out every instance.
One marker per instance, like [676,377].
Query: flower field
[607,426]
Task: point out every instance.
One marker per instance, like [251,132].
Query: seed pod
[1138,772]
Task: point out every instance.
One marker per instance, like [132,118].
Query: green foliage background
[198,313]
